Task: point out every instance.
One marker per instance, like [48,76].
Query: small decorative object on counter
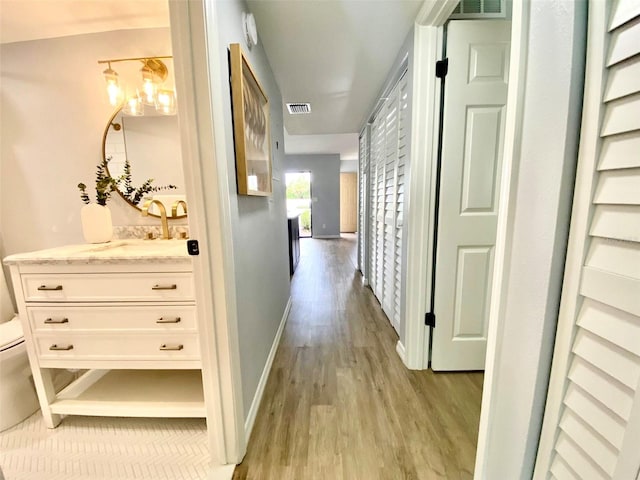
[96,217]
[96,223]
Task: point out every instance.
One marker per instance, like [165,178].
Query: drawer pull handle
[56,321]
[168,320]
[173,286]
[171,347]
[65,348]
[48,288]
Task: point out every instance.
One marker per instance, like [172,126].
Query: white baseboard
[326,236]
[257,398]
[401,352]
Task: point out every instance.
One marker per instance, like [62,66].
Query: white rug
[102,448]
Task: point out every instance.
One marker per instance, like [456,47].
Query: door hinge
[192,247]
[430,319]
[442,68]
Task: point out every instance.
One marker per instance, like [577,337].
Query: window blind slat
[625,42]
[624,79]
[622,12]
[620,151]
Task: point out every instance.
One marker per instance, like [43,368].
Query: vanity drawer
[108,287]
[156,318]
[78,347]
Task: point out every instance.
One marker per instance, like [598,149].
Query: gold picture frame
[251,124]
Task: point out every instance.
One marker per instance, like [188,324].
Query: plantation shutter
[389,137]
[591,428]
[390,165]
[363,199]
[404,137]
[380,164]
[377,204]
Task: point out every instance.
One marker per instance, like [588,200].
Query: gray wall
[259,225]
[325,190]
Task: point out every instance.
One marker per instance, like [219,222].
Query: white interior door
[473,128]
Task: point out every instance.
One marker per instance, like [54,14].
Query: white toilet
[18,397]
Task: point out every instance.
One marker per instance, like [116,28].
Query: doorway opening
[298,187]
[348,202]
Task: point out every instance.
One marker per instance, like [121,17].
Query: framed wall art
[250,127]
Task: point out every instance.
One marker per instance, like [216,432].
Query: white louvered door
[377,179]
[389,138]
[363,199]
[404,137]
[591,428]
[380,192]
[390,166]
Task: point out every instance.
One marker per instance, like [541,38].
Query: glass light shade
[149,90]
[166,102]
[133,105]
[113,86]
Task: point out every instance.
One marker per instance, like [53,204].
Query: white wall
[259,224]
[348,165]
[54,111]
[544,158]
[325,190]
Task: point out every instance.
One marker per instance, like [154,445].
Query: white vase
[96,223]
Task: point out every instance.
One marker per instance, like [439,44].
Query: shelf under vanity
[123,311]
[133,393]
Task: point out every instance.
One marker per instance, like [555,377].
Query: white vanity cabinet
[128,320]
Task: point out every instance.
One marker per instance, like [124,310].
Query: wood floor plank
[339,404]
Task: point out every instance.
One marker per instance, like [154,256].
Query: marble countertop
[135,251]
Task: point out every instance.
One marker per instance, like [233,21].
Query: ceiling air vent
[298,108]
[480,9]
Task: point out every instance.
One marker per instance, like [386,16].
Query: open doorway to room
[299,199]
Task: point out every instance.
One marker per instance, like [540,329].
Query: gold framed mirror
[150,145]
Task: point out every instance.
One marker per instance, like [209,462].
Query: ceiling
[346,144]
[22,20]
[334,54]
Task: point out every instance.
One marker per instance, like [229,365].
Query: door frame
[428,42]
[196,54]
[310,196]
[497,441]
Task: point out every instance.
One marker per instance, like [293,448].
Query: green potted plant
[135,195]
[96,217]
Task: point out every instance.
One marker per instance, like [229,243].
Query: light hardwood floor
[339,404]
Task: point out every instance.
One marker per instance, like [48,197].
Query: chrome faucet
[176,204]
[163,215]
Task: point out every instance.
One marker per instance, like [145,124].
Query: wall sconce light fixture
[152,91]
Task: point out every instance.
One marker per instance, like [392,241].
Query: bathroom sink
[144,251]
[135,247]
